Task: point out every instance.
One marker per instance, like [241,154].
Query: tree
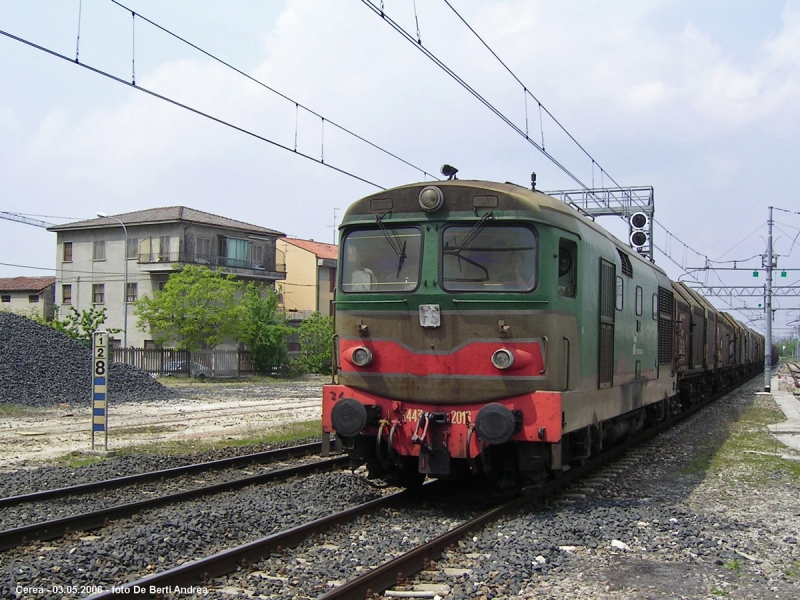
[315,343]
[197,309]
[263,329]
[78,325]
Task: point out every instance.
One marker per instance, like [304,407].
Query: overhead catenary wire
[418,44]
[297,104]
[526,91]
[189,108]
[107,276]
[524,133]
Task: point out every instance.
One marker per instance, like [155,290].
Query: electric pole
[768,310]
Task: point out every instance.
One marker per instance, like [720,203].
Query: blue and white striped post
[100,386]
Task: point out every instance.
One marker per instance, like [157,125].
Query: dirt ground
[207,412]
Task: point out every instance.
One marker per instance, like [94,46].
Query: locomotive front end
[446,334]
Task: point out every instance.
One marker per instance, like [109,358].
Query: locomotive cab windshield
[493,258]
[382,260]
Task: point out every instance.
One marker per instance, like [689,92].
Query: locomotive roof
[405,197]
[466,196]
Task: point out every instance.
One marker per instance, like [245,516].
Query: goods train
[489,329]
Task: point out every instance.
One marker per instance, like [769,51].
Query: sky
[697,99]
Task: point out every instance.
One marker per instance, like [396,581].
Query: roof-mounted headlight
[431,199]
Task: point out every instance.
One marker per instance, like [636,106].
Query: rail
[386,575]
[107,484]
[56,528]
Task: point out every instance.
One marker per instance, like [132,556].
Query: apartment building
[310,282]
[111,261]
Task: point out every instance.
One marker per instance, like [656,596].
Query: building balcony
[168,262]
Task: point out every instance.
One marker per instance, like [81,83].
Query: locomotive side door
[608,292]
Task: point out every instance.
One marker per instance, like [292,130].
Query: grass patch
[18,411]
[734,565]
[139,429]
[750,450]
[284,433]
[700,463]
[76,459]
[793,570]
[240,382]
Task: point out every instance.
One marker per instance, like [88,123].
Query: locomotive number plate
[429,315]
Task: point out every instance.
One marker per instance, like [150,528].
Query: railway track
[201,573]
[226,463]
[86,521]
[794,372]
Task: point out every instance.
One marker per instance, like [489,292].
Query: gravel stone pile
[41,367]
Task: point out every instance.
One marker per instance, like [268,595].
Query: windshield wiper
[400,262]
[472,233]
[394,241]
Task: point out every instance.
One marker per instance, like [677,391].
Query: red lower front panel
[541,420]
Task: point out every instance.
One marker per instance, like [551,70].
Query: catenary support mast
[768,310]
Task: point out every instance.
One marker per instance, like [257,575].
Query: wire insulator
[133,48]
[78,41]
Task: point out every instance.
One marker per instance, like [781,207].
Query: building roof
[321,250]
[170,214]
[26,284]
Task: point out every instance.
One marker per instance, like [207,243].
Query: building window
[6,297]
[66,294]
[99,250]
[67,251]
[33,298]
[98,293]
[162,285]
[238,252]
[132,292]
[163,248]
[132,248]
[258,256]
[203,250]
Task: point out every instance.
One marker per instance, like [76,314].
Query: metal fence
[201,363]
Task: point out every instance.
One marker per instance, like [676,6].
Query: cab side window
[567,268]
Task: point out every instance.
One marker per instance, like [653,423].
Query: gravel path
[199,412]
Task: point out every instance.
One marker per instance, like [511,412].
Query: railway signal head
[638,224]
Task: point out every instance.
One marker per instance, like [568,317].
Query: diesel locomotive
[489,329]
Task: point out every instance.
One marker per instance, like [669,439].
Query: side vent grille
[627,267]
[666,307]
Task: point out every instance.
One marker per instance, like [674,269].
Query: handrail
[544,355]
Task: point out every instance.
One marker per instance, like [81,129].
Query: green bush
[316,349]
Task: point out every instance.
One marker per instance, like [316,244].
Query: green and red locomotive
[488,328]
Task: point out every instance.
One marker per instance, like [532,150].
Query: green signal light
[783,273]
[755,273]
